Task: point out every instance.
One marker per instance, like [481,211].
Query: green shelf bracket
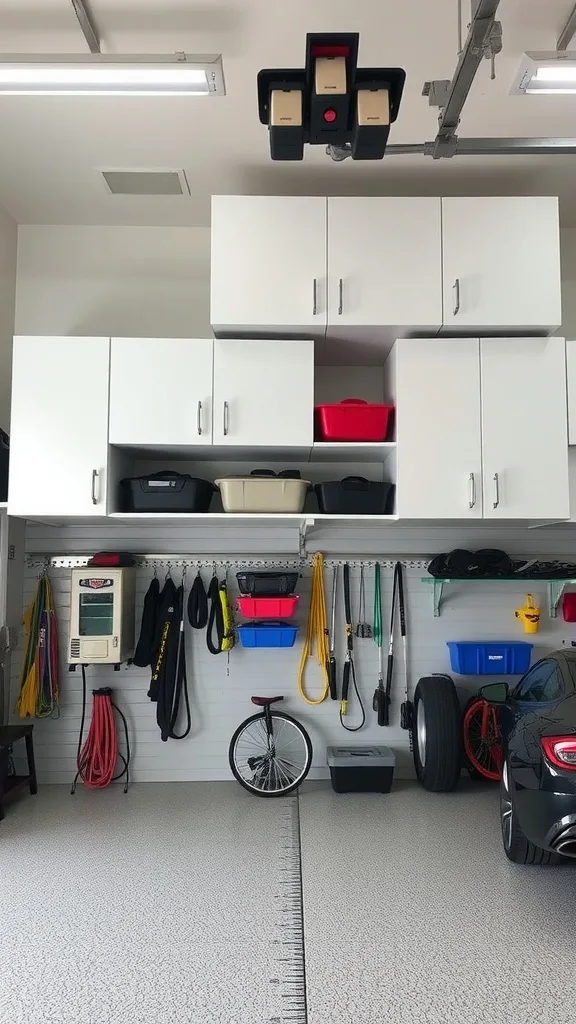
[438,591]
[555,590]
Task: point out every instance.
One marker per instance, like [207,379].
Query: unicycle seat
[265,702]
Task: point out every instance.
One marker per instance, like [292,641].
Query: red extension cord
[98,757]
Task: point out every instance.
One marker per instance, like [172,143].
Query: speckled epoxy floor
[160,907]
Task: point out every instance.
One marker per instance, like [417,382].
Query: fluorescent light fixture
[111,75]
[547,73]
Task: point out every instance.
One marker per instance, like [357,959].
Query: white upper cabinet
[501,263]
[384,262]
[161,391]
[263,393]
[571,372]
[438,429]
[59,427]
[524,428]
[268,264]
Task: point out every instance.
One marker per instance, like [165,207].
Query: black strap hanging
[145,650]
[349,672]
[215,618]
[198,604]
[169,678]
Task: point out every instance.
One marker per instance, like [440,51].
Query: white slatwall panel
[221,689]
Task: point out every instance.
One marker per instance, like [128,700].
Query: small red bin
[353,420]
[268,607]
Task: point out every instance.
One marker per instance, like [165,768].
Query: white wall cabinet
[59,427]
[524,428]
[384,262]
[501,263]
[482,429]
[310,265]
[571,376]
[263,393]
[161,391]
[268,264]
[438,429]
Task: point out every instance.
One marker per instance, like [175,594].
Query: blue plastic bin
[268,634]
[474,658]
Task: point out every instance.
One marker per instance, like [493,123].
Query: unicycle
[270,753]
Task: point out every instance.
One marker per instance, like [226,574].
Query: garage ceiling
[53,149]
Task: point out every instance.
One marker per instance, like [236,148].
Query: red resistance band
[99,755]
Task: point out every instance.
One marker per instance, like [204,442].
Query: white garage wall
[131,281]
[8,248]
[221,689]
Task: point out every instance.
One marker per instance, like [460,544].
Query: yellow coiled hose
[316,633]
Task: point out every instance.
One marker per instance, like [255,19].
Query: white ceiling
[51,148]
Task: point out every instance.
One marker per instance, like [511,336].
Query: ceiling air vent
[146,183]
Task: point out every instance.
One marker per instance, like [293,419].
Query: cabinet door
[263,393]
[384,262]
[571,373]
[59,427]
[268,264]
[161,391]
[501,260]
[438,429]
[524,428]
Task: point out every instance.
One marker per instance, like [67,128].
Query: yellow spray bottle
[529,615]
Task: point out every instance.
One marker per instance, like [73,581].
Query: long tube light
[547,73]
[111,75]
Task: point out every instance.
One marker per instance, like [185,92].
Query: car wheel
[436,734]
[517,847]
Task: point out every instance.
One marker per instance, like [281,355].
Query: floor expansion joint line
[291,981]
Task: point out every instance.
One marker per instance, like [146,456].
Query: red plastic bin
[353,420]
[268,607]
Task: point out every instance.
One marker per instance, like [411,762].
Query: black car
[538,789]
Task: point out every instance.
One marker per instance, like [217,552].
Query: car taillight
[560,750]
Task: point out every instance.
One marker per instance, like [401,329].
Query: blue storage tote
[268,634]
[474,658]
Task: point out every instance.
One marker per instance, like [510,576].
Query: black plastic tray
[267,584]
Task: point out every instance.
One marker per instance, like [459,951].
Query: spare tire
[437,734]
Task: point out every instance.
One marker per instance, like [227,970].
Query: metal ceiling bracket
[305,525]
[568,32]
[482,38]
[86,22]
[437,92]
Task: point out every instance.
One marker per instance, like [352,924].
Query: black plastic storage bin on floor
[354,495]
[267,584]
[166,491]
[361,769]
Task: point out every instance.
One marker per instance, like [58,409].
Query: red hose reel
[98,756]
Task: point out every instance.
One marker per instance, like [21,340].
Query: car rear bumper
[548,819]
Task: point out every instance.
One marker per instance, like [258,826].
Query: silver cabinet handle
[315,298]
[95,475]
[226,419]
[456,293]
[472,493]
[199,417]
[340,297]
[496,501]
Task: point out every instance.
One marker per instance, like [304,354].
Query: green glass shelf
[555,587]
